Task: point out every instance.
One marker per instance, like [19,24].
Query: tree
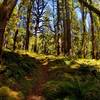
[27,25]
[84,32]
[45,30]
[90,7]
[6,9]
[15,38]
[58,34]
[67,28]
[93,35]
[39,7]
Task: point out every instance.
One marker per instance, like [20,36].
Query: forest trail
[42,77]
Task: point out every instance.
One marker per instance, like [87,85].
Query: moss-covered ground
[26,75]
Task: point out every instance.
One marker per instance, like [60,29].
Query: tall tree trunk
[55,30]
[68,27]
[36,29]
[44,44]
[67,34]
[83,33]
[15,38]
[2,30]
[27,27]
[37,25]
[93,35]
[63,49]
[58,34]
[6,10]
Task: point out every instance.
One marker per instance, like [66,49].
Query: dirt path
[42,77]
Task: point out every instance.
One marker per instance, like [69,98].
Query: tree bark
[36,29]
[58,34]
[93,35]
[27,27]
[90,7]
[83,33]
[5,13]
[67,34]
[15,38]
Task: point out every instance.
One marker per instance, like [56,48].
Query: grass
[18,71]
[72,79]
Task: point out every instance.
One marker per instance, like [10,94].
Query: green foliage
[86,69]
[73,80]
[26,85]
[7,94]
[19,71]
[77,89]
[57,89]
[4,91]
[48,41]
[14,71]
[67,78]
[17,66]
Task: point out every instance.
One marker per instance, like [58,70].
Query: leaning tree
[6,9]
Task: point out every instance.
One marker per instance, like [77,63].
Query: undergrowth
[68,78]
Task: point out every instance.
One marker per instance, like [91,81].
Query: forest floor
[42,77]
[29,76]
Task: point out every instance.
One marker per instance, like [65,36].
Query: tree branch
[90,7]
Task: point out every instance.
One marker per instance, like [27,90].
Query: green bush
[75,89]
[18,65]
[4,91]
[57,89]
[7,94]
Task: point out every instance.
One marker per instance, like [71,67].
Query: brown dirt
[42,77]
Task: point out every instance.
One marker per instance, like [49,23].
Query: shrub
[57,89]
[7,94]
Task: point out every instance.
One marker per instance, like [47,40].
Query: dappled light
[49,49]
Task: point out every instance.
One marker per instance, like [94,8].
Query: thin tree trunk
[44,44]
[93,35]
[58,34]
[37,25]
[1,41]
[36,29]
[67,36]
[64,46]
[83,33]
[3,22]
[55,29]
[15,38]
[27,28]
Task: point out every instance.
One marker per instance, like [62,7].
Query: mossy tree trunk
[93,35]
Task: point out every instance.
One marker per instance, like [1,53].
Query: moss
[7,94]
[67,78]
[4,91]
